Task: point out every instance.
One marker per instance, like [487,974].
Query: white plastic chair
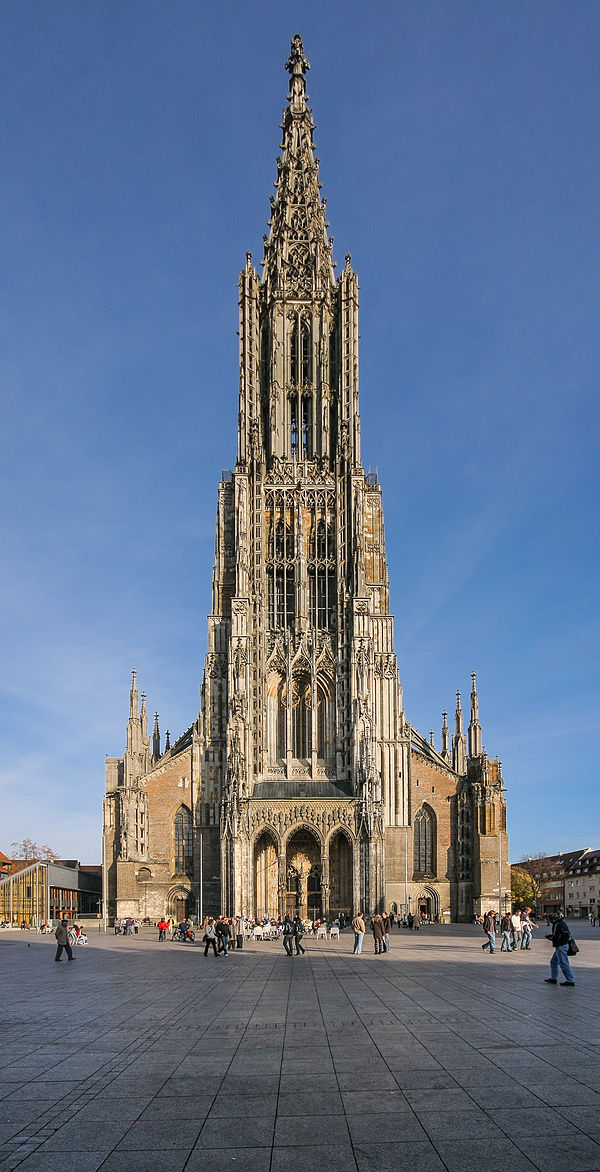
[334,932]
[258,933]
[321,932]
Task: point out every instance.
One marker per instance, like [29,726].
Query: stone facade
[302,786]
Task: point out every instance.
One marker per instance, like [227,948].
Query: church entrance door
[265,877]
[340,876]
[303,870]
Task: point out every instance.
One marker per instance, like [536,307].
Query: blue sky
[459,156]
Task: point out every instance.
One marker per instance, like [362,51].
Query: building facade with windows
[302,786]
[35,893]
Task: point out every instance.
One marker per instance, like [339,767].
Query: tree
[29,850]
[525,889]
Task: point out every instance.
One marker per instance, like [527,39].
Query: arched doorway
[340,876]
[303,875]
[265,876]
[428,903]
[180,904]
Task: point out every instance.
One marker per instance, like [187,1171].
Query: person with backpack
[561,939]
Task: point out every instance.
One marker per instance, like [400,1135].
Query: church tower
[312,737]
[302,787]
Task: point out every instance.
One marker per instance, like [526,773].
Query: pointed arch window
[184,854]
[425,843]
[301,717]
[306,437]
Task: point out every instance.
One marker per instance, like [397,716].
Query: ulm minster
[302,787]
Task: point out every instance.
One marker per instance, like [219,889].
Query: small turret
[137,750]
[459,755]
[144,718]
[445,736]
[474,725]
[167,741]
[133,696]
[156,738]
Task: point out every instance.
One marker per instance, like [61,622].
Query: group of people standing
[517,933]
[221,935]
[127,925]
[517,930]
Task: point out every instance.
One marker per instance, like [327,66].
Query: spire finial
[133,695]
[296,63]
[156,738]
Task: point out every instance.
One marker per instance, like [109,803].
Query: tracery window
[301,717]
[322,577]
[301,420]
[184,854]
[424,843]
[281,575]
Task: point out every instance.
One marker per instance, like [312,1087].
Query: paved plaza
[147,1057]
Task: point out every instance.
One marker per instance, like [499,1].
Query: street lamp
[502,792]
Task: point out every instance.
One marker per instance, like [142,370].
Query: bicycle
[181,937]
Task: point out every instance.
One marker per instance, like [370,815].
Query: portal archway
[303,875]
[341,900]
[428,903]
[180,904]
[265,876]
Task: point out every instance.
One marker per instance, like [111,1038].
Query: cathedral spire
[474,725]
[298,251]
[297,66]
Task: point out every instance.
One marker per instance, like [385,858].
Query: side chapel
[302,786]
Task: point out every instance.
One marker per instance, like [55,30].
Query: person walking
[162,929]
[560,937]
[377,930]
[515,920]
[386,924]
[210,937]
[527,927]
[410,919]
[489,927]
[222,930]
[62,941]
[298,934]
[358,927]
[505,928]
[288,935]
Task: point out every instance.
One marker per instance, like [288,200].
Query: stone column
[325,885]
[281,884]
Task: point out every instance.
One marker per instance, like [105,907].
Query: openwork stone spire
[298,261]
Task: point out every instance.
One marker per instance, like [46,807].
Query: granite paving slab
[144,1058]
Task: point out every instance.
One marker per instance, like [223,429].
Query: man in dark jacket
[298,934]
[62,941]
[222,928]
[489,927]
[560,937]
[288,935]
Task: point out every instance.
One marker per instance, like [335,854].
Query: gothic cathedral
[302,786]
